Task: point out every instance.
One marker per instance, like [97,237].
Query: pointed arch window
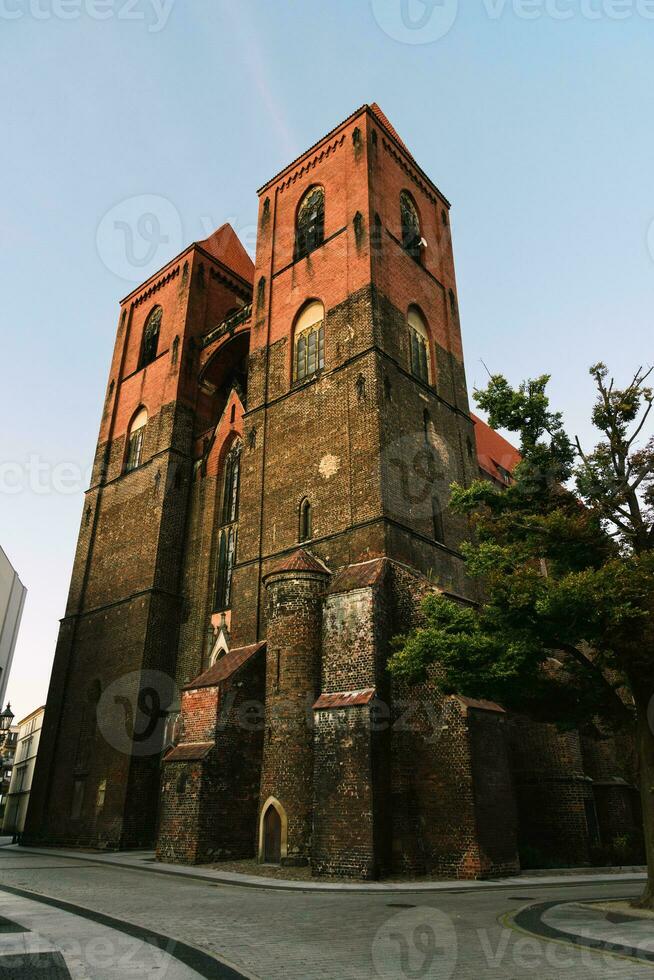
[227,536]
[150,342]
[411,234]
[309,343]
[135,438]
[230,485]
[305,520]
[226,558]
[310,222]
[419,345]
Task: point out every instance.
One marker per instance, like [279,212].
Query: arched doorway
[273,832]
[272,836]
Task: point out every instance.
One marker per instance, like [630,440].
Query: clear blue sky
[538,130]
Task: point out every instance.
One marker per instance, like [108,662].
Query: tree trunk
[645,738]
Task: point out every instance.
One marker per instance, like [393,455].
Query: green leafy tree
[566,556]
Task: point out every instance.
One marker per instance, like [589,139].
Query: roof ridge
[299,560]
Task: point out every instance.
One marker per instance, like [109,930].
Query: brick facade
[254,638]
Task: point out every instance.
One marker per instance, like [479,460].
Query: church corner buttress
[267,509]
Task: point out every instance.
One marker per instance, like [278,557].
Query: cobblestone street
[268,933]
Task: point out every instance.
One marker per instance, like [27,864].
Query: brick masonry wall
[343,841]
[552,792]
[292,684]
[209,808]
[495,807]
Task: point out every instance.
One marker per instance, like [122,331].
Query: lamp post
[6,718]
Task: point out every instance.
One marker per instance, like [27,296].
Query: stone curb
[140,863]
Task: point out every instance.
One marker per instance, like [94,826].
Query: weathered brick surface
[292,685]
[552,789]
[209,808]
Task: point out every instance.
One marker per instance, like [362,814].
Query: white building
[12,600]
[27,746]
[8,743]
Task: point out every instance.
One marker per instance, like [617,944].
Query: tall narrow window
[78,799]
[150,343]
[309,345]
[135,441]
[230,485]
[419,345]
[100,796]
[426,425]
[411,235]
[310,222]
[226,556]
[229,529]
[305,520]
[437,514]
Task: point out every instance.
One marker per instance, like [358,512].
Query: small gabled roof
[189,752]
[344,699]
[225,245]
[479,705]
[225,667]
[299,560]
[363,575]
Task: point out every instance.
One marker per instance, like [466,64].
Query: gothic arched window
[310,222]
[226,556]
[305,521]
[419,344]
[230,485]
[135,437]
[309,341]
[411,234]
[150,342]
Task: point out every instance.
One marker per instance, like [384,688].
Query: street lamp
[6,718]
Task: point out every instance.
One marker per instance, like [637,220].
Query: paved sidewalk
[56,941]
[145,861]
[592,925]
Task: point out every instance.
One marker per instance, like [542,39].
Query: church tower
[112,683]
[357,409]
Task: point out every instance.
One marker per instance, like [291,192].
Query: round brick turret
[295,587]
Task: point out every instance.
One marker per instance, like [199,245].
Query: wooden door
[272,836]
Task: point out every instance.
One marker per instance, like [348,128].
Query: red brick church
[267,508]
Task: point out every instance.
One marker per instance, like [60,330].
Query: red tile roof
[225,667]
[226,246]
[479,705]
[493,450]
[189,752]
[344,699]
[360,576]
[391,129]
[299,560]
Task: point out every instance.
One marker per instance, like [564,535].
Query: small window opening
[305,521]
